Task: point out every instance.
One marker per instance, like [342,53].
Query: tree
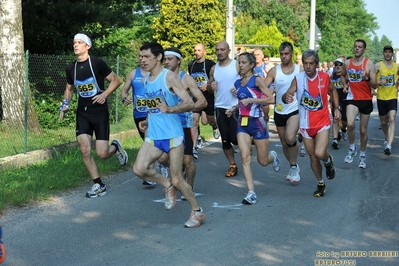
[341,22]
[12,67]
[375,47]
[246,27]
[291,16]
[50,25]
[271,35]
[182,24]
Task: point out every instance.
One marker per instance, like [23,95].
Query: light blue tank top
[186,118]
[161,125]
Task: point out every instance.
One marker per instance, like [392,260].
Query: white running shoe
[349,157]
[200,143]
[196,218]
[276,161]
[170,197]
[195,153]
[302,152]
[120,153]
[362,162]
[293,175]
[250,199]
[97,191]
[148,183]
[164,170]
[345,135]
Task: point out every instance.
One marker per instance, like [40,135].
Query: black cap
[388,47]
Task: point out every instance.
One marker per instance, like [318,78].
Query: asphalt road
[357,218]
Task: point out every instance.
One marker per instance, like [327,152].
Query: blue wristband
[65,103]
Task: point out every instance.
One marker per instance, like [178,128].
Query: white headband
[83,37]
[173,53]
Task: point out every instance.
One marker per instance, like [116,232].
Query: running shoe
[216,133]
[330,169]
[233,170]
[362,162]
[387,150]
[349,157]
[335,144]
[276,161]
[2,248]
[200,143]
[196,218]
[250,198]
[149,183]
[302,151]
[170,197]
[97,191]
[120,153]
[195,153]
[164,170]
[293,176]
[344,135]
[321,189]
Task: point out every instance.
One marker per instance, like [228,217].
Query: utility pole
[312,24]
[230,27]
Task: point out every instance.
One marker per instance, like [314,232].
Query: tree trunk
[12,68]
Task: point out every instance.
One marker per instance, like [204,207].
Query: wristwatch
[339,108]
[124,99]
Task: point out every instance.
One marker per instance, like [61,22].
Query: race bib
[86,88]
[311,103]
[141,104]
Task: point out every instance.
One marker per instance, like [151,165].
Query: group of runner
[232,96]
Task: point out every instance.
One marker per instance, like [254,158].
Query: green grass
[12,141]
[63,172]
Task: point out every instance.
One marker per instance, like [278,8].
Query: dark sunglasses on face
[338,64]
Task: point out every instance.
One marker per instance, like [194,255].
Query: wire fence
[29,114]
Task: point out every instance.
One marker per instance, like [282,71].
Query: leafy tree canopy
[50,25]
[271,35]
[291,16]
[341,22]
[184,23]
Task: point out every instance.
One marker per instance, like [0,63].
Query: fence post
[26,100]
[116,97]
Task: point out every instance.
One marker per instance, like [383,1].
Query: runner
[199,70]
[164,131]
[311,88]
[336,82]
[172,62]
[87,75]
[252,126]
[286,116]
[387,96]
[361,75]
[222,78]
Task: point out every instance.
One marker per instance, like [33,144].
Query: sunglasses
[338,64]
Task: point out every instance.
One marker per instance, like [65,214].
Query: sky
[386,13]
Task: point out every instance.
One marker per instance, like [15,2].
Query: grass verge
[64,171]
